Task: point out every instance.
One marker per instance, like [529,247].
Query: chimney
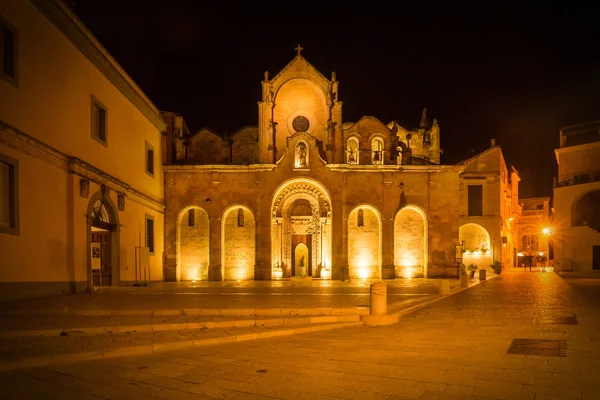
[493,142]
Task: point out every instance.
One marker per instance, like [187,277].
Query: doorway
[103,242]
[302,255]
[596,257]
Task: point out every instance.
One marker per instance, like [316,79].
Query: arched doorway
[477,246]
[301,213]
[103,242]
[364,242]
[238,243]
[410,242]
[301,265]
[193,244]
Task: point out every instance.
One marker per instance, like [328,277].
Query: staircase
[40,340]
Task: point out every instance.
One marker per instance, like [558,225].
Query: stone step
[152,312]
[87,325]
[37,352]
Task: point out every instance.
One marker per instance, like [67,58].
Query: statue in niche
[301,155]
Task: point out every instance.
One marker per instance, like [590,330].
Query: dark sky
[513,73]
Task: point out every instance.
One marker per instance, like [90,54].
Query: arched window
[360,219]
[377,150]
[100,212]
[240,217]
[191,217]
[352,151]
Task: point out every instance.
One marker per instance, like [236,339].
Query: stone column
[387,229]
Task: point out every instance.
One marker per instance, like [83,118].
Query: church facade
[307,194]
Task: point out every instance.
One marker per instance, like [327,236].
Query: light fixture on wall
[207,200]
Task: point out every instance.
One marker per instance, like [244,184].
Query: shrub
[497,265]
[472,267]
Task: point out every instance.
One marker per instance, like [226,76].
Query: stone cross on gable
[298,48]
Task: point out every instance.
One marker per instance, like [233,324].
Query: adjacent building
[575,231]
[534,228]
[81,180]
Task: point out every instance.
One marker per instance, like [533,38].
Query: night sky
[516,74]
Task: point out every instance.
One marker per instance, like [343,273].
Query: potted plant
[472,268]
[497,266]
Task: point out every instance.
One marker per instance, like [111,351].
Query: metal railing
[577,178]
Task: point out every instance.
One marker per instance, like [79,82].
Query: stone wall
[194,244]
[409,243]
[364,244]
[238,244]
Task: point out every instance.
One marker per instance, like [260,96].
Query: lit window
[150,233]
[352,151]
[8,52]
[149,159]
[9,205]
[530,242]
[99,114]
[377,151]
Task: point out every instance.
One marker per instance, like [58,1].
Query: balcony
[577,178]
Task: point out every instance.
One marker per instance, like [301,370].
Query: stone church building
[306,193]
[99,187]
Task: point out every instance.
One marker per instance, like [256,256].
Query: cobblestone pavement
[218,295]
[453,349]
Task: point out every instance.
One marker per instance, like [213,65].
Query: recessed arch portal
[410,242]
[364,242]
[301,213]
[193,244]
[477,245]
[238,243]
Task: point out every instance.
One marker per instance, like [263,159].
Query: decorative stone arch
[377,144]
[354,150]
[193,244]
[365,243]
[314,229]
[108,220]
[585,210]
[301,154]
[238,244]
[477,244]
[411,244]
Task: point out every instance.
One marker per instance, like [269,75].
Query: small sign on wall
[95,249]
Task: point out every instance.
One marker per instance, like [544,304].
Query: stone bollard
[378,298]
[444,286]
[464,281]
[482,273]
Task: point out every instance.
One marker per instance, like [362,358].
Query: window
[9,204]
[530,242]
[360,220]
[240,217]
[150,233]
[475,200]
[149,159]
[352,151]
[377,151]
[99,115]
[8,52]
[191,218]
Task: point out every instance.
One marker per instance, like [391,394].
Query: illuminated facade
[534,227]
[305,193]
[575,230]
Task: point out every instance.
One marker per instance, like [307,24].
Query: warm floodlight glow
[511,218]
[363,273]
[520,254]
[408,272]
[540,254]
[546,231]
